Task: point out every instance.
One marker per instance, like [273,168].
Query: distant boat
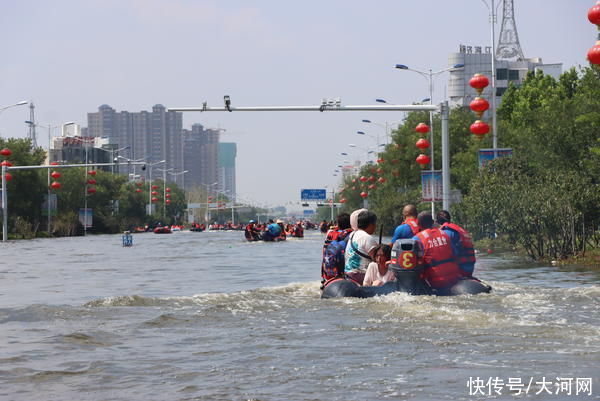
[162,230]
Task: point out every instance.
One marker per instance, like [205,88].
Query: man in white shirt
[360,245]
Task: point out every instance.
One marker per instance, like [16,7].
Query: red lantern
[8,176]
[168,189]
[372,179]
[54,164]
[354,188]
[479,105]
[372,186]
[154,200]
[168,201]
[593,54]
[422,144]
[55,174]
[154,193]
[423,160]
[6,163]
[364,194]
[379,171]
[92,172]
[380,160]
[594,14]
[55,185]
[363,179]
[479,129]
[5,152]
[479,82]
[168,195]
[91,190]
[154,186]
[381,180]
[422,128]
[91,181]
[138,190]
[342,200]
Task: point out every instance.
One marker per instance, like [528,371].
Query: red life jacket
[467,254]
[412,223]
[442,270]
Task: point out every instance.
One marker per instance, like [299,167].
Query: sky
[71,56]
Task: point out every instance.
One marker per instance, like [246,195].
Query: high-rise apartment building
[153,136]
[200,155]
[227,154]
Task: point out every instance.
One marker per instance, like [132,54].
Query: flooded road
[208,316]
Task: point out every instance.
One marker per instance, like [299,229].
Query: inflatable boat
[407,280]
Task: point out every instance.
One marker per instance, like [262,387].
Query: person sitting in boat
[461,242]
[360,246]
[435,253]
[298,230]
[409,227]
[251,232]
[378,273]
[272,231]
[282,234]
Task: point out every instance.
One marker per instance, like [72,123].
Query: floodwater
[208,316]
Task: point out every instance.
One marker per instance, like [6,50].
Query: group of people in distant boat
[273,230]
[444,249]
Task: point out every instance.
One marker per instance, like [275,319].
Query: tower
[509,47]
[32,134]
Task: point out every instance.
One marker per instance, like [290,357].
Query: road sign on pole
[313,194]
[426,177]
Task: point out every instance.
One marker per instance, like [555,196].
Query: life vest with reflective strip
[413,224]
[467,254]
[441,268]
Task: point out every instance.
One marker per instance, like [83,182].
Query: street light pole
[429,75]
[492,8]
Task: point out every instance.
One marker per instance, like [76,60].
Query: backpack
[333,257]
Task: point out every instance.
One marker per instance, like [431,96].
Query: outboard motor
[405,268]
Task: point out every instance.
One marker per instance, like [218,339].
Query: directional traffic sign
[313,194]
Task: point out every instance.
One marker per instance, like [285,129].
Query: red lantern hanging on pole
[5,152]
[55,185]
[364,194]
[423,160]
[167,189]
[8,177]
[138,190]
[593,54]
[381,180]
[55,175]
[91,181]
[479,82]
[594,14]
[479,105]
[91,190]
[479,129]
[422,128]
[154,200]
[6,163]
[422,144]
[92,172]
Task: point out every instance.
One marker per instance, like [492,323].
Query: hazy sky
[71,56]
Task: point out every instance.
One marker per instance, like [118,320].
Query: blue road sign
[313,194]
[309,212]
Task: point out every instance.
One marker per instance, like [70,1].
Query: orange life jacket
[412,223]
[441,267]
[467,254]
